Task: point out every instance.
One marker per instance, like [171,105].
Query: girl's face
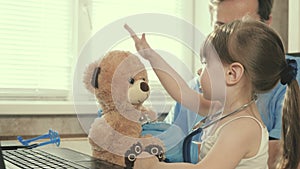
[212,78]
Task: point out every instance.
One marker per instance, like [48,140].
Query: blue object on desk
[52,135]
[173,138]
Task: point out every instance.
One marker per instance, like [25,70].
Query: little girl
[242,58]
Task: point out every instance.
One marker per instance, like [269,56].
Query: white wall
[202,22]
[294,27]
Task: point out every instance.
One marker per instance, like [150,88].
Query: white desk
[78,144]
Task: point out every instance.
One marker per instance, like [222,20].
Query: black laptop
[50,157]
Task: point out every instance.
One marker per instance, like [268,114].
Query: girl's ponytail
[290,119]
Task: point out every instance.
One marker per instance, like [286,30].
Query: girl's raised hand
[141,44]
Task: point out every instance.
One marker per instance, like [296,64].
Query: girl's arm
[169,78]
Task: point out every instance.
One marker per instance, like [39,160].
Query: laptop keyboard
[34,158]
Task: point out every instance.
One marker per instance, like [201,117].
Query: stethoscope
[205,123]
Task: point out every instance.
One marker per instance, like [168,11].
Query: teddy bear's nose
[144,87]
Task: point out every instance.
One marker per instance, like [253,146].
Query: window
[36,49]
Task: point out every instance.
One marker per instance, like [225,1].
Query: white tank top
[259,161]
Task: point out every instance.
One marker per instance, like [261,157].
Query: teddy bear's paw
[156,150]
[131,155]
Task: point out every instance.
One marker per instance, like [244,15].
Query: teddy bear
[119,82]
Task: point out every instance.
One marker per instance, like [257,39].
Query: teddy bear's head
[118,80]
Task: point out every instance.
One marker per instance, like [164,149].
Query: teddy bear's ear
[94,80]
[89,75]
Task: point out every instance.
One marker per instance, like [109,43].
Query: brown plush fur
[119,127]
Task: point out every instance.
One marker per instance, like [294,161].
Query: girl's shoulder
[242,120]
[242,124]
[244,130]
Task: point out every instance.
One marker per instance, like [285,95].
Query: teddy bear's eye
[144,79]
[131,80]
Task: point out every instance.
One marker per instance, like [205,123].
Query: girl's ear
[234,73]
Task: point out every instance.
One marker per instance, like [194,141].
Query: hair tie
[290,72]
